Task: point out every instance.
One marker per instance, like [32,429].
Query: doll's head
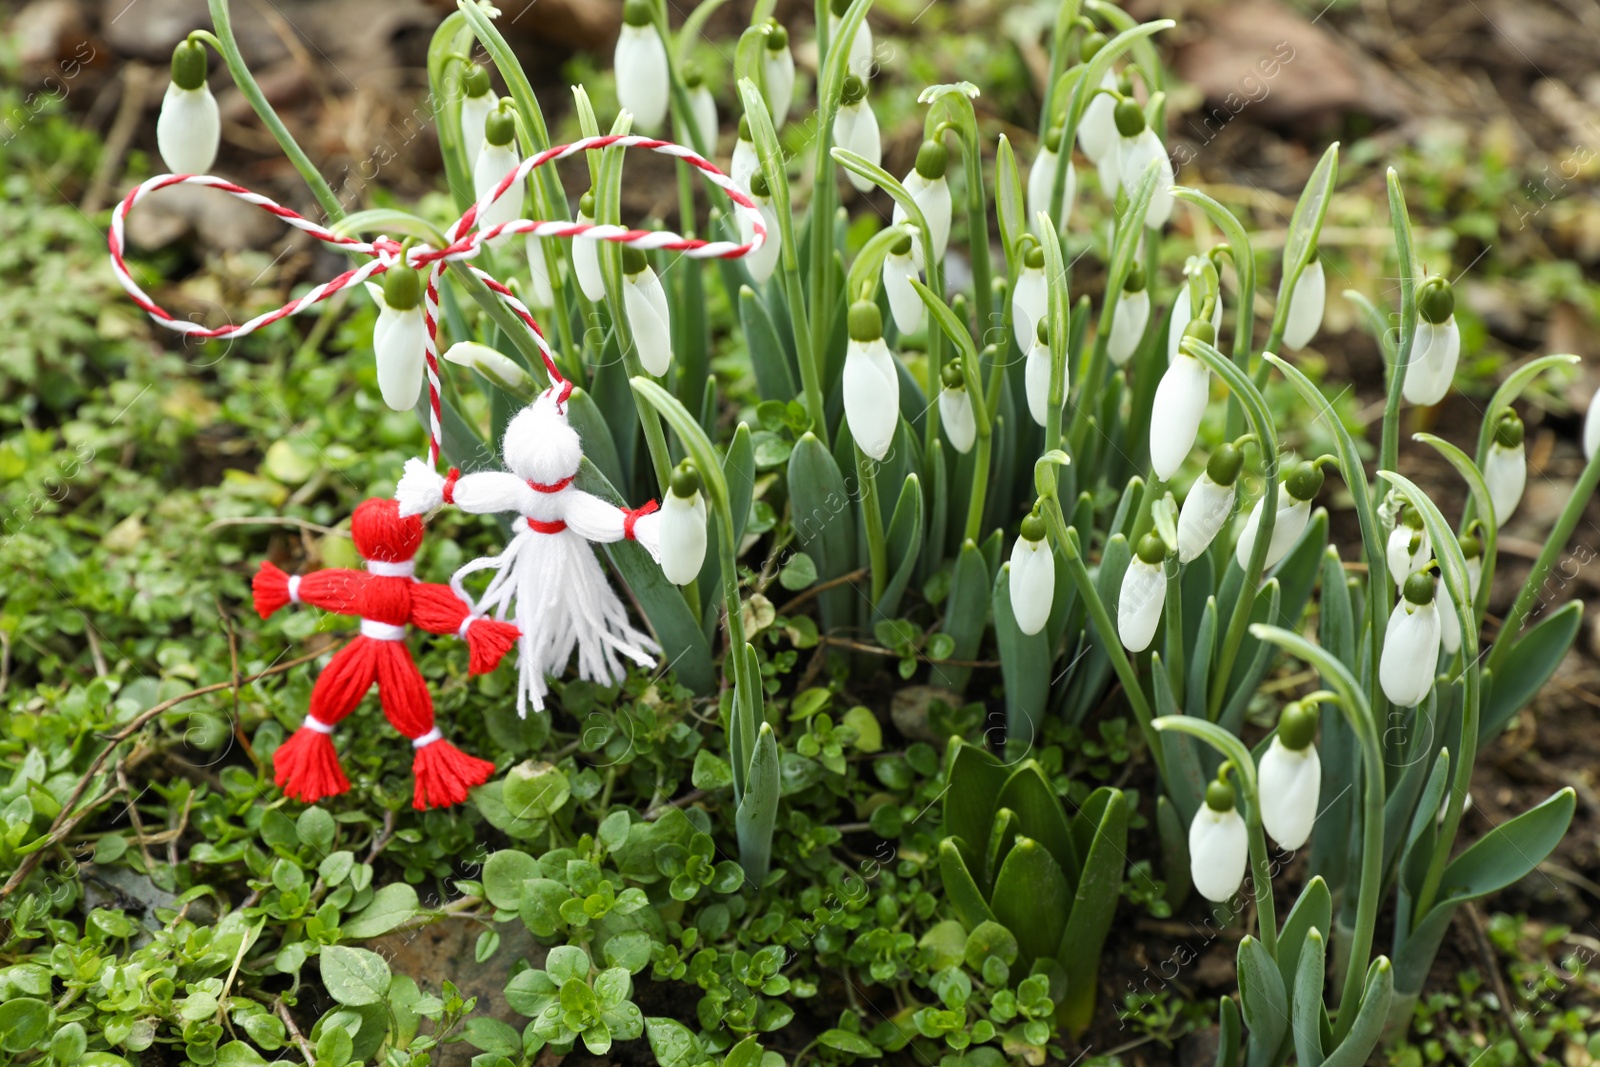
[539,445]
[380,533]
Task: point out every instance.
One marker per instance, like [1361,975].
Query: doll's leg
[305,766]
[443,772]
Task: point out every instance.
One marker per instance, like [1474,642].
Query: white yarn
[385,569]
[382,631]
[428,738]
[294,589]
[317,724]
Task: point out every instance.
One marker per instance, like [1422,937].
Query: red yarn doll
[386,597]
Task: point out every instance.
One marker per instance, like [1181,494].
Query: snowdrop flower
[1591,427]
[855,129]
[1097,129]
[1294,511]
[860,63]
[1219,845]
[399,337]
[777,68]
[909,312]
[1437,345]
[871,384]
[1472,548]
[1033,576]
[745,160]
[1180,404]
[189,128]
[955,409]
[496,159]
[1306,305]
[1144,592]
[683,527]
[1409,547]
[1036,375]
[640,63]
[1289,777]
[1506,468]
[1132,316]
[1030,299]
[1411,644]
[540,292]
[1183,313]
[927,187]
[499,368]
[1449,624]
[1137,146]
[645,302]
[1042,183]
[702,106]
[586,254]
[1209,503]
[478,100]
[762,261]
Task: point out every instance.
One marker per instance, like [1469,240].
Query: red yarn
[380,533]
[487,641]
[306,767]
[633,516]
[270,589]
[444,774]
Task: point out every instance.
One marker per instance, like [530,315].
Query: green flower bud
[744,127]
[901,245]
[1305,481]
[693,76]
[1151,549]
[758,184]
[685,480]
[932,158]
[839,7]
[1091,44]
[1297,726]
[1508,431]
[476,80]
[1135,282]
[1129,118]
[189,64]
[1201,330]
[1052,139]
[633,260]
[777,37]
[1225,464]
[636,12]
[1419,588]
[1034,258]
[1033,528]
[586,205]
[402,289]
[866,321]
[499,128]
[1219,795]
[1437,301]
[855,91]
[1471,547]
[951,377]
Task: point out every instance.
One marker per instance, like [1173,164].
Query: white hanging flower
[1289,778]
[1505,469]
[540,292]
[640,64]
[1097,129]
[496,159]
[1591,427]
[1183,314]
[1436,346]
[495,366]
[400,337]
[860,63]
[1109,170]
[1180,404]
[478,101]
[1032,579]
[870,382]
[645,303]
[189,128]
[1294,511]
[1036,375]
[777,68]
[1144,593]
[1409,548]
[763,260]
[928,188]
[1138,145]
[1133,315]
[955,410]
[1209,503]
[683,527]
[1030,300]
[1306,306]
[702,107]
[1449,624]
[1219,845]
[1042,183]
[909,312]
[1411,644]
[586,254]
[855,129]
[1472,548]
[745,162]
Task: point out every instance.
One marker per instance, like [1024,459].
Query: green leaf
[1313,911]
[1093,907]
[757,814]
[1528,666]
[1371,1019]
[504,872]
[391,906]
[746,1053]
[973,779]
[1228,1039]
[966,616]
[1024,667]
[904,544]
[769,358]
[1041,816]
[845,1041]
[1263,1002]
[354,976]
[674,1044]
[711,771]
[1031,896]
[960,887]
[1306,222]
[1309,973]
[824,523]
[23,1023]
[1509,851]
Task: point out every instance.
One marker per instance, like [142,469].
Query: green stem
[1174,611]
[980,485]
[1390,447]
[1261,871]
[872,512]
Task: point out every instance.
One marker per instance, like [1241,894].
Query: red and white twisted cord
[463,243]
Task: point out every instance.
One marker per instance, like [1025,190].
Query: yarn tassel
[307,768]
[270,588]
[487,641]
[444,775]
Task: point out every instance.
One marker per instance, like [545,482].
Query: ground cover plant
[990,439]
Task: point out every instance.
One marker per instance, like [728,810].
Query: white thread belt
[427,739]
[317,724]
[385,569]
[466,624]
[294,589]
[382,631]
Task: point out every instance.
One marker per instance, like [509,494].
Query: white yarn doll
[547,579]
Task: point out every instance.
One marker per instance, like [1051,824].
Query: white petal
[1032,583]
[955,411]
[1029,302]
[934,200]
[1434,353]
[763,260]
[907,308]
[540,294]
[494,163]
[703,106]
[871,396]
[1097,129]
[1205,511]
[860,46]
[1136,154]
[399,350]
[1127,326]
[1183,314]
[778,70]
[1305,307]
[1041,184]
[641,69]
[646,304]
[855,128]
[1287,525]
[189,129]
[586,261]
[1180,404]
[1144,592]
[1410,653]
[1219,847]
[683,538]
[1405,553]
[1449,624]
[1474,574]
[1036,377]
[1591,427]
[744,163]
[1290,783]
[1109,168]
[1506,472]
[488,362]
[474,112]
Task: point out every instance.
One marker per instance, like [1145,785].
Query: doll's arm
[437,609]
[334,589]
[422,489]
[596,520]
